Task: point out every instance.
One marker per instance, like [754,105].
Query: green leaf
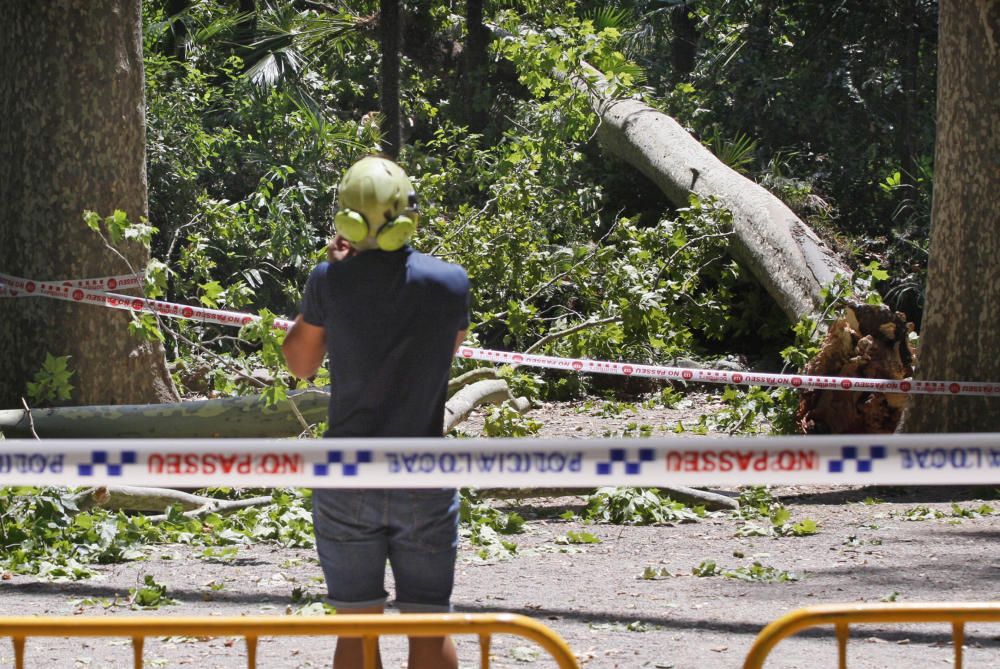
[210,290]
[92,220]
[805,527]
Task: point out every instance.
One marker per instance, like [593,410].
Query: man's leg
[350,653]
[352,549]
[423,539]
[432,653]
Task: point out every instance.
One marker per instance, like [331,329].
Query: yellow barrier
[368,627]
[843,615]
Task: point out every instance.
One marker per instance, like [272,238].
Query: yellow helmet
[377,205]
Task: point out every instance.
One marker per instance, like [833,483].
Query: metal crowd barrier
[841,616]
[369,627]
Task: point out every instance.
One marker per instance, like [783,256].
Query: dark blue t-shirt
[391,318]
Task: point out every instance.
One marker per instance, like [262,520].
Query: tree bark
[72,137]
[389,38]
[783,253]
[960,338]
[232,417]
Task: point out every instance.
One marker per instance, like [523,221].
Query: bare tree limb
[31,420]
[553,336]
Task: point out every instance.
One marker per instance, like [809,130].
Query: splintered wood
[868,342]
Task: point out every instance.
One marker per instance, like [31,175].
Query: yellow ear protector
[378,207]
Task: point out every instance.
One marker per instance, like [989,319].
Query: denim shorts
[415,530]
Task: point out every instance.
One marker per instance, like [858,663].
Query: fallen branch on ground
[145,500]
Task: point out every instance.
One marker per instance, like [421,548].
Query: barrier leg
[958,638]
[484,651]
[843,634]
[18,652]
[137,644]
[252,652]
[369,651]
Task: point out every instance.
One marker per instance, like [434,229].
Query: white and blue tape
[967,459]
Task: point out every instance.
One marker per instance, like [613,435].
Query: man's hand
[339,248]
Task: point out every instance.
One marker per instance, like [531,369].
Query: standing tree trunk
[906,138]
[960,339]
[389,38]
[475,82]
[175,41]
[684,44]
[72,137]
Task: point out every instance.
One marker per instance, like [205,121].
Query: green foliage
[145,326]
[976,512]
[706,568]
[250,129]
[119,229]
[254,119]
[755,571]
[573,537]
[52,382]
[506,421]
[655,574]
[760,573]
[638,506]
[757,504]
[755,409]
[46,535]
[918,513]
[736,153]
[828,88]
[485,527]
[956,512]
[150,595]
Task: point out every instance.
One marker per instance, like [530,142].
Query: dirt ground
[869,548]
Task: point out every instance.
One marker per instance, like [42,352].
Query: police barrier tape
[14,286]
[967,459]
[18,287]
[77,292]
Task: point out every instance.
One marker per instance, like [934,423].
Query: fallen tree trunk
[783,253]
[231,417]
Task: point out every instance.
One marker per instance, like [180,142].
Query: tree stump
[870,341]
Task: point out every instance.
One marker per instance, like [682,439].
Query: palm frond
[219,26]
[736,153]
[619,18]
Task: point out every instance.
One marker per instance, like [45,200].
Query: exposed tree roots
[868,342]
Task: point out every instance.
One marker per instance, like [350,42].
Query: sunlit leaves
[52,382]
